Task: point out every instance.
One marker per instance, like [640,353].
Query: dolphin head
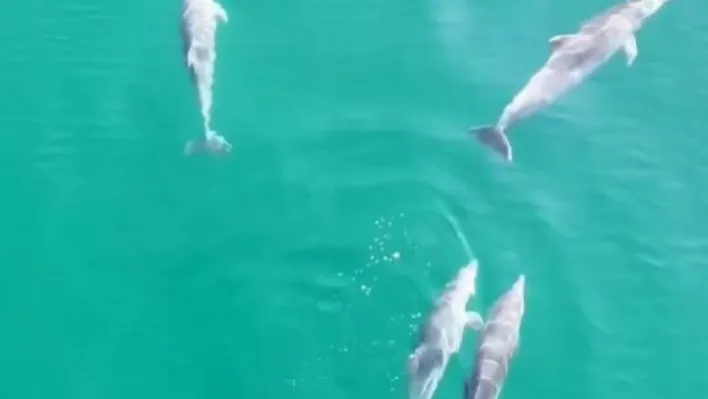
[515,296]
[518,289]
[511,305]
[646,8]
[466,280]
[520,284]
[426,367]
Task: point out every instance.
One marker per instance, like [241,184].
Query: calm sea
[301,265]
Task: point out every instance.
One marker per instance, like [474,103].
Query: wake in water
[199,23]
[458,231]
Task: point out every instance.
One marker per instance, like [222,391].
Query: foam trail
[458,231]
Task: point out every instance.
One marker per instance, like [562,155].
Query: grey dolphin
[442,334]
[198,28]
[574,57]
[497,344]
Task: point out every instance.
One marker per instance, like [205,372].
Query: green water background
[128,270]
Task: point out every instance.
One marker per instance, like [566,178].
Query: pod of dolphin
[574,57]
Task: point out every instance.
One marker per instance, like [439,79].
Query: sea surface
[302,264]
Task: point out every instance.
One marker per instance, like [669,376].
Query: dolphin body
[574,57]
[198,28]
[497,344]
[442,333]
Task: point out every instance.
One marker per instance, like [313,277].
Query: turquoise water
[132,271]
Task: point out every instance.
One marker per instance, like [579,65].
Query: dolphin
[497,344]
[573,58]
[442,334]
[198,28]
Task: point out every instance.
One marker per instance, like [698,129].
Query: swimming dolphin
[497,344]
[574,57]
[442,333]
[199,23]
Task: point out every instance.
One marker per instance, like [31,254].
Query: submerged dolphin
[497,344]
[442,333]
[199,23]
[574,57]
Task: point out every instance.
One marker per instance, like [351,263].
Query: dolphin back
[488,377]
[598,21]
[427,366]
[498,344]
[427,358]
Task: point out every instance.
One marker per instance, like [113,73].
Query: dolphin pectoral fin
[474,321]
[412,363]
[558,40]
[413,360]
[220,12]
[216,143]
[630,48]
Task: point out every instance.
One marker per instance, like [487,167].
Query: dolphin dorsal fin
[558,40]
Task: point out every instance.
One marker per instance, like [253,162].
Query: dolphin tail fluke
[195,146]
[217,142]
[496,139]
[212,143]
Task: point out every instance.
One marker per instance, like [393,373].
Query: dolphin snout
[467,276]
[520,283]
[469,271]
